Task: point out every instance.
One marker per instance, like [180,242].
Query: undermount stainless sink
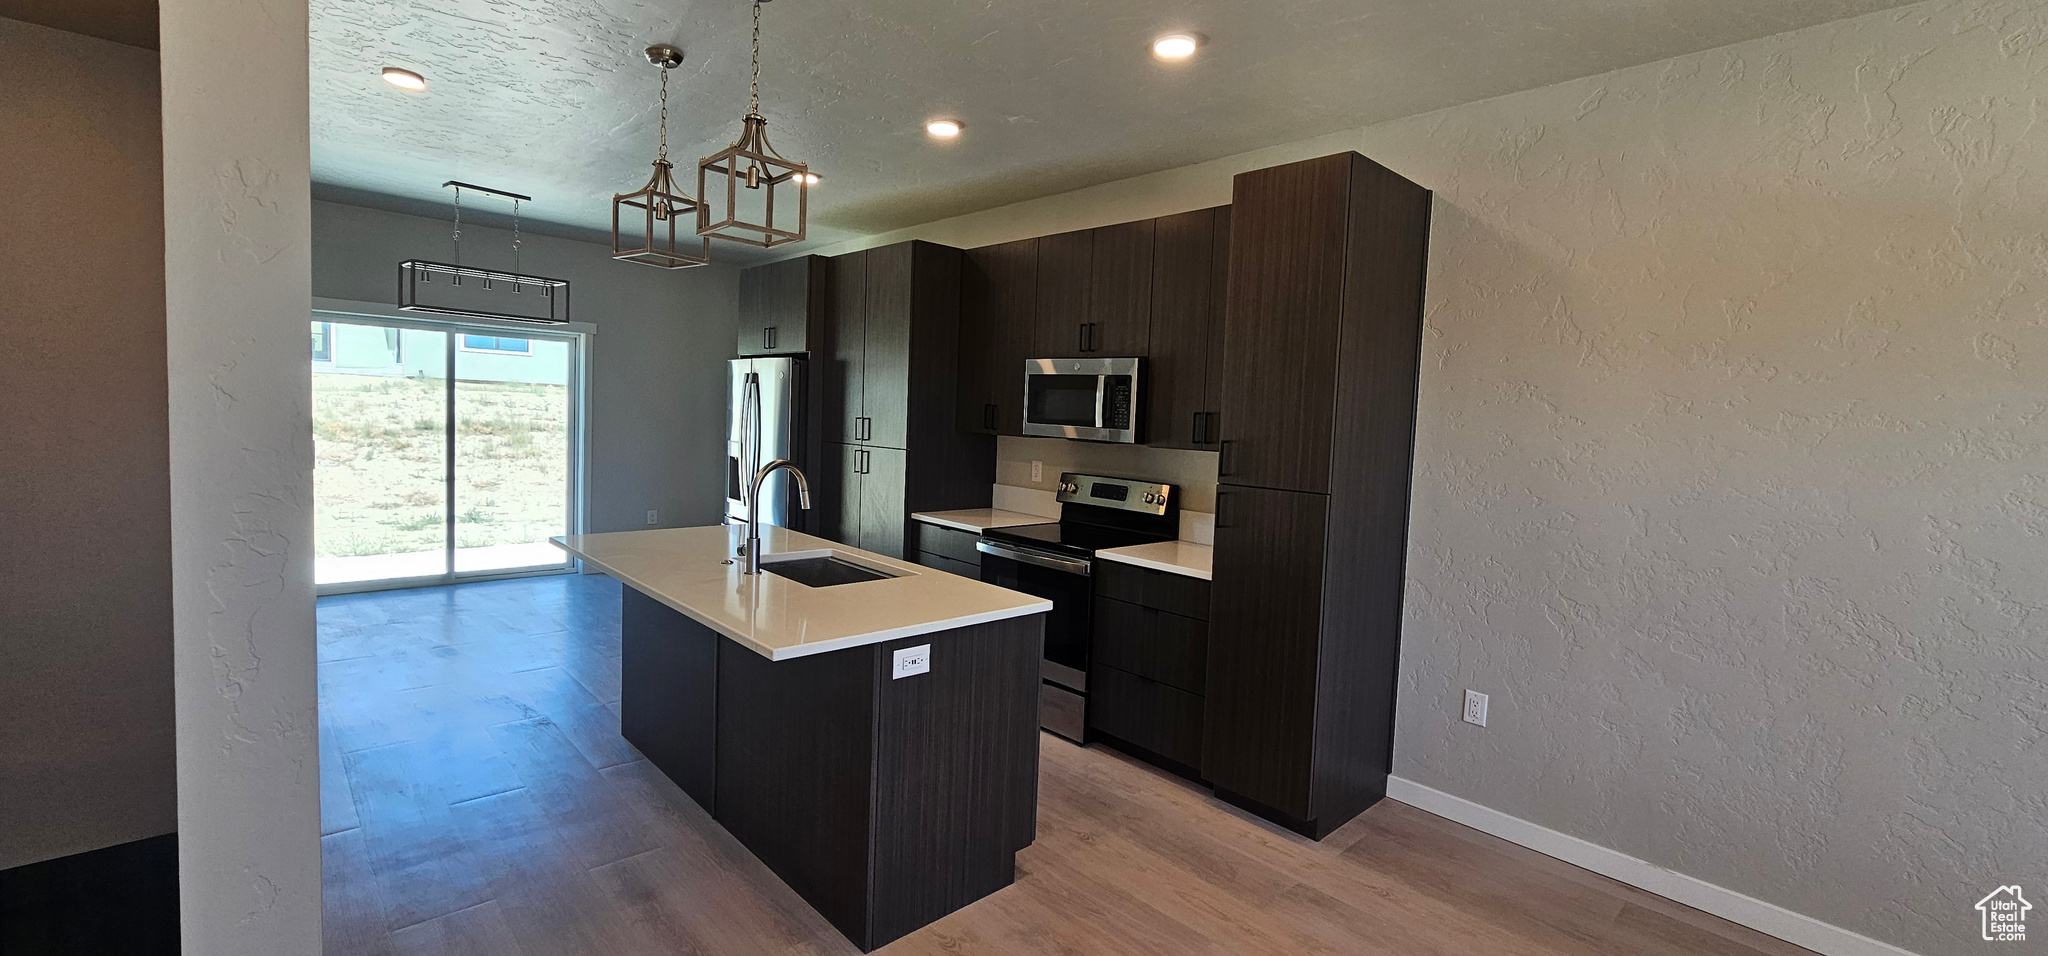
[814,569]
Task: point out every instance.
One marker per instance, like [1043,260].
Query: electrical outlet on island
[1037,471]
[650,517]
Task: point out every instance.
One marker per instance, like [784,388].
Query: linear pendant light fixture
[440,287]
[740,183]
[652,211]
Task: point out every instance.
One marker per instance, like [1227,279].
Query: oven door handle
[1043,560]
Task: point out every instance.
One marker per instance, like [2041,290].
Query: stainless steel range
[1056,561]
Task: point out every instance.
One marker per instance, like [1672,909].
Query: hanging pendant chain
[458,225]
[754,89]
[515,235]
[662,156]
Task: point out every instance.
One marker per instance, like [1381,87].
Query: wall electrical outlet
[1475,708]
[1037,471]
[911,661]
[650,516]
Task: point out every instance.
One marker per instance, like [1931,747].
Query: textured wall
[86,752]
[1730,485]
[236,274]
[1731,461]
[657,362]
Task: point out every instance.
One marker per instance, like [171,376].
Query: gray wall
[1729,481]
[86,746]
[657,382]
[237,186]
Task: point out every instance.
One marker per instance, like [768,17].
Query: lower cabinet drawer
[947,542]
[1168,648]
[1162,719]
[944,563]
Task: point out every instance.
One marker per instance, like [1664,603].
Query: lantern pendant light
[653,211]
[742,183]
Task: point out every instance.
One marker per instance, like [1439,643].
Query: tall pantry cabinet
[885,360]
[1322,328]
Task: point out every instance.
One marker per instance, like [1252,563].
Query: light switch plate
[912,661]
[1037,471]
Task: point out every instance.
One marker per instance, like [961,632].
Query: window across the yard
[493,343]
[323,341]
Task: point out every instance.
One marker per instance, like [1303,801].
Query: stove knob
[1151,499]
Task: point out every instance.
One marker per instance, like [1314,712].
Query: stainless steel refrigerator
[766,412]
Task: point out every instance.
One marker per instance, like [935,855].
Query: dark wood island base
[885,803]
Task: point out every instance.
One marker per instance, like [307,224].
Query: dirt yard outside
[380,451]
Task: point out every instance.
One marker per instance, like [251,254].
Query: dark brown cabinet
[840,360]
[1120,290]
[1065,262]
[1322,331]
[998,324]
[889,388]
[1186,285]
[778,302]
[1095,291]
[1146,672]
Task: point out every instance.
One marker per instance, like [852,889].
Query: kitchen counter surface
[978,520]
[777,617]
[1175,557]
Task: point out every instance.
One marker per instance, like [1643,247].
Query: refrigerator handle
[750,438]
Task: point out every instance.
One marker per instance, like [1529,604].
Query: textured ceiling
[554,99]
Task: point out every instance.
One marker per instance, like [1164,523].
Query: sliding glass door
[441,453]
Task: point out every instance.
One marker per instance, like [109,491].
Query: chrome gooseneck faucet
[803,498]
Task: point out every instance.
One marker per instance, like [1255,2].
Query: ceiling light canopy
[1176,46]
[404,79]
[652,211]
[740,183]
[943,128]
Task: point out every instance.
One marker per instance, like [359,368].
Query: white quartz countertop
[1175,557]
[777,617]
[979,520]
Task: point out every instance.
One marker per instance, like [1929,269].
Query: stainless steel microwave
[1095,399]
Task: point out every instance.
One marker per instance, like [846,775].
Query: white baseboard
[1699,894]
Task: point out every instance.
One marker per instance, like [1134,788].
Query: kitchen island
[875,743]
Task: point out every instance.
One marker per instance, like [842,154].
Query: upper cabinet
[778,302]
[1120,290]
[1065,262]
[998,319]
[1095,291]
[1186,288]
[1284,310]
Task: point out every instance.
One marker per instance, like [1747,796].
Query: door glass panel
[380,413]
[512,452]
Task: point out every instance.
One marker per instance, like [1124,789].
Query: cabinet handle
[1224,458]
[1091,337]
[1221,497]
[1195,430]
[1214,432]
[1081,337]
[988,416]
[768,337]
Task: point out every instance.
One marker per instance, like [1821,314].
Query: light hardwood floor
[477,799]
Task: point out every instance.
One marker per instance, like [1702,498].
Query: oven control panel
[1144,497]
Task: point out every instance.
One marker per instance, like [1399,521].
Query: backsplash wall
[1193,471]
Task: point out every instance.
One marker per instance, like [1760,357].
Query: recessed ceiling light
[404,79]
[943,129]
[1176,46]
